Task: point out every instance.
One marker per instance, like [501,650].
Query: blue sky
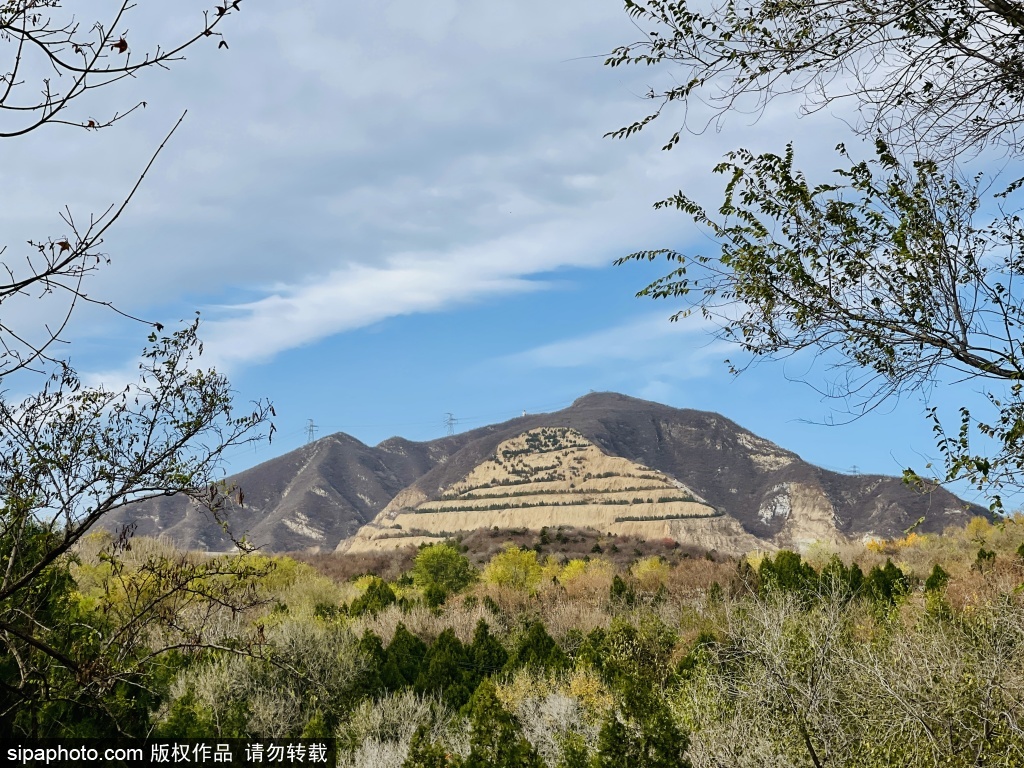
[394,211]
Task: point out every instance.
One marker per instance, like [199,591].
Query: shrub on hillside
[441,570]
[378,596]
[514,568]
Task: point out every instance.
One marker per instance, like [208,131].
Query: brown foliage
[387,565]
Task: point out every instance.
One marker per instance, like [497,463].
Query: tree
[642,733]
[71,455]
[514,568]
[635,662]
[897,267]
[446,671]
[487,654]
[788,573]
[305,686]
[886,585]
[496,740]
[443,569]
[537,649]
[890,268]
[939,73]
[424,753]
[404,659]
[378,596]
[937,579]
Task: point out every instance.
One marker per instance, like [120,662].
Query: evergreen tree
[788,573]
[496,740]
[372,649]
[886,585]
[984,560]
[574,752]
[642,733]
[937,580]
[487,654]
[404,658]
[620,592]
[424,753]
[378,596]
[445,669]
[591,650]
[536,648]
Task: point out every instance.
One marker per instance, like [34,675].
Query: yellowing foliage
[651,572]
[754,558]
[978,529]
[912,539]
[550,570]
[577,568]
[586,687]
[572,570]
[514,568]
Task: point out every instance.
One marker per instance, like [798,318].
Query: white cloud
[650,345]
[338,167]
[355,294]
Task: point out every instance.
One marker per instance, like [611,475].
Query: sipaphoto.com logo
[61,754]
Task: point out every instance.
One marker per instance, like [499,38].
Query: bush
[621,593]
[442,569]
[937,581]
[886,585]
[788,573]
[984,559]
[514,568]
[537,649]
[377,597]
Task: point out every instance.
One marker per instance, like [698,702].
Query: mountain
[610,461]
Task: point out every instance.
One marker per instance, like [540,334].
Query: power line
[311,429]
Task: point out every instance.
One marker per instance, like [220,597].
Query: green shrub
[537,649]
[937,580]
[377,597]
[443,570]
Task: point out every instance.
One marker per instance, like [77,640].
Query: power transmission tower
[311,429]
[450,422]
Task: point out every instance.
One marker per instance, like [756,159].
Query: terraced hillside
[606,462]
[550,476]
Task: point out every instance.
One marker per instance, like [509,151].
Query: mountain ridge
[325,493]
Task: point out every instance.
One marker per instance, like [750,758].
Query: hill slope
[744,489]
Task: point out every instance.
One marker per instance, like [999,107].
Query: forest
[904,652]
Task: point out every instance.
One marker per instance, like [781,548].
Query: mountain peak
[320,498]
[610,400]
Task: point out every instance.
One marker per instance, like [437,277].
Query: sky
[392,213]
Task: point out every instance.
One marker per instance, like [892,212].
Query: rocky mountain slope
[554,476]
[614,462]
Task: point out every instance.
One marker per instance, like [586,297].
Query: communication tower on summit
[311,429]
